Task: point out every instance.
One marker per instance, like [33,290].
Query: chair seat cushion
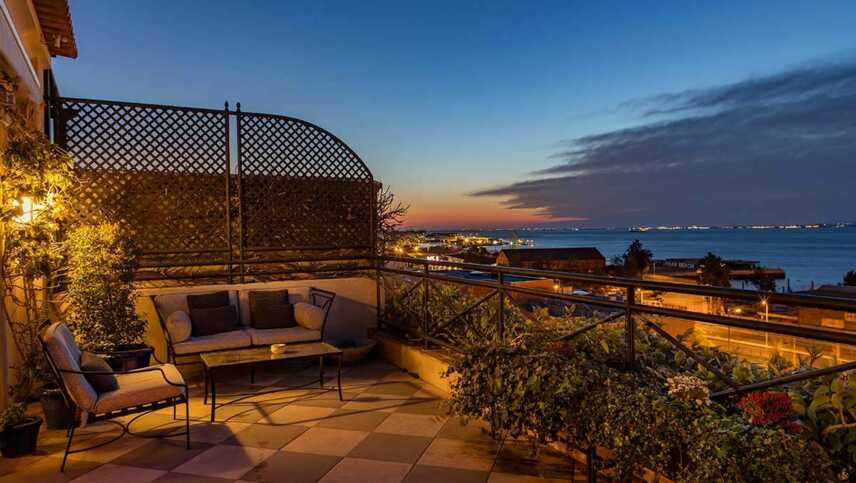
[288,335]
[234,339]
[140,387]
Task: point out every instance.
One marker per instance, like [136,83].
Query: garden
[560,378]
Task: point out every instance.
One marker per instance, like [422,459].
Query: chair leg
[187,419]
[174,404]
[67,448]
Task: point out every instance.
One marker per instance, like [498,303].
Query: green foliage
[13,415]
[100,297]
[827,408]
[34,176]
[636,260]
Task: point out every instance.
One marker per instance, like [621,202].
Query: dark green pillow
[213,320]
[271,310]
[100,382]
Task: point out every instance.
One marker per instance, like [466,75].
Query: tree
[713,271]
[637,259]
[763,281]
[850,278]
[390,215]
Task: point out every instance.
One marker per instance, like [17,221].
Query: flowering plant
[689,389]
[770,408]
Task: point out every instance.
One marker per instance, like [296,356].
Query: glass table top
[260,354]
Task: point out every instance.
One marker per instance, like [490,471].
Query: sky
[510,114]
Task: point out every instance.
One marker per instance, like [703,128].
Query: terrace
[225,197]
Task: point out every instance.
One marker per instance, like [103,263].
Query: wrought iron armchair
[140,392]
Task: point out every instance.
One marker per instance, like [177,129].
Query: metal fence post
[591,456]
[501,310]
[228,167]
[630,328]
[425,314]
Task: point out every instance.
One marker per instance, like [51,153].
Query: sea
[809,256]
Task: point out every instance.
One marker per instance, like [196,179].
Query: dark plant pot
[21,439]
[57,414]
[128,358]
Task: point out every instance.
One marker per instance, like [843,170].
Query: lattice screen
[301,187]
[160,170]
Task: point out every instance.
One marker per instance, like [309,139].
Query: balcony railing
[417,278]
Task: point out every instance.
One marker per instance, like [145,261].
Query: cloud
[775,149]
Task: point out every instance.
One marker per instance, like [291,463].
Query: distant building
[835,319]
[577,259]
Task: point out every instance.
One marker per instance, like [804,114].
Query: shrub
[100,297]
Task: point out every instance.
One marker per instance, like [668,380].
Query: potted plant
[58,415]
[100,298]
[19,433]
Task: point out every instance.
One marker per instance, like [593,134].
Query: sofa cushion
[270,309]
[295,294]
[224,340]
[102,383]
[208,300]
[309,316]
[141,387]
[66,356]
[288,335]
[214,320]
[179,326]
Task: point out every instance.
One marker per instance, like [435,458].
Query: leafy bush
[100,297]
[13,415]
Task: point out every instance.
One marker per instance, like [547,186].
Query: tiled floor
[390,428]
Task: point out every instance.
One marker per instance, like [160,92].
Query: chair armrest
[135,371]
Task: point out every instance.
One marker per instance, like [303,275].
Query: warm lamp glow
[30,208]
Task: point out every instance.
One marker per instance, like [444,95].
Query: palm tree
[637,259]
[850,278]
[713,271]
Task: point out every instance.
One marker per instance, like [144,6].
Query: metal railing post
[378,303]
[501,310]
[228,207]
[425,315]
[630,328]
[591,456]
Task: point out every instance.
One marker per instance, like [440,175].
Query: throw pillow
[179,326]
[271,310]
[214,320]
[309,316]
[207,300]
[102,383]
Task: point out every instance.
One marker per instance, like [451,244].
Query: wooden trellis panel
[160,170]
[301,187]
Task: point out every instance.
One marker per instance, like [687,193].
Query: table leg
[339,376]
[205,379]
[213,394]
[321,364]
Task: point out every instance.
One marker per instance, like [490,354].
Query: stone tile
[300,415]
[395,388]
[225,461]
[290,467]
[124,474]
[375,402]
[519,458]
[472,430]
[107,453]
[42,469]
[247,412]
[354,469]
[266,436]
[439,474]
[161,454]
[497,477]
[334,442]
[325,399]
[353,420]
[205,432]
[183,478]
[411,424]
[391,447]
[429,406]
[452,453]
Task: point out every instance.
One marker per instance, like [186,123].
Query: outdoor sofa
[311,311]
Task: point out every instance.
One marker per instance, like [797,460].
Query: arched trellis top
[190,189]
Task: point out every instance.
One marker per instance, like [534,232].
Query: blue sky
[445,100]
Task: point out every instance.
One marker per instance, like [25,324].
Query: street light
[766,309]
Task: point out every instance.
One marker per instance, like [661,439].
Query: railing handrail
[801,300]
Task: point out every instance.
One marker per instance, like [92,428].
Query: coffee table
[257,355]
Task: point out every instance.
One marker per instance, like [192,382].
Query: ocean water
[821,255]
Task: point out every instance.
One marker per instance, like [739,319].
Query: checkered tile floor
[389,428]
